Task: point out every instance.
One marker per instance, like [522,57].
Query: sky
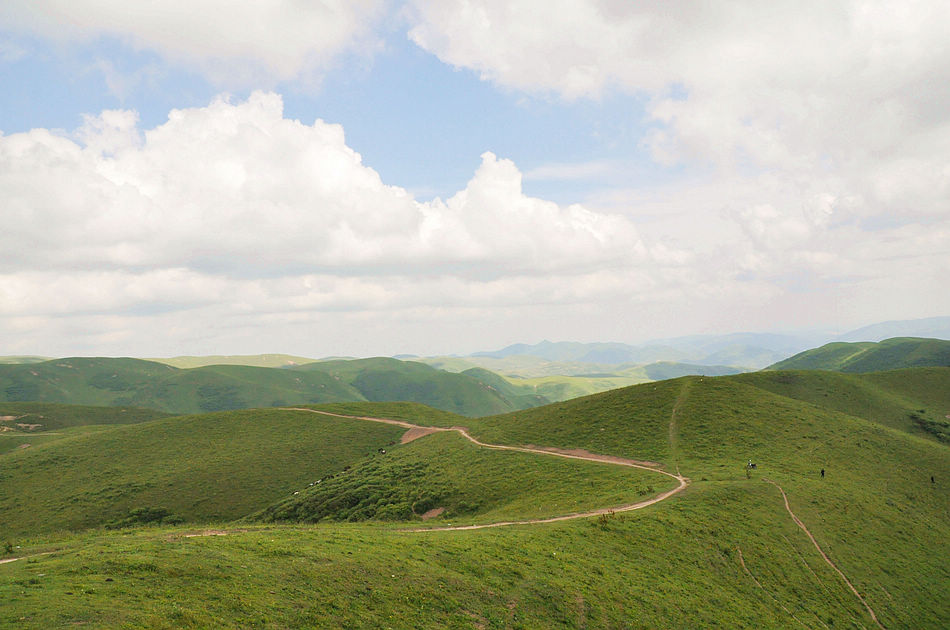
[373,177]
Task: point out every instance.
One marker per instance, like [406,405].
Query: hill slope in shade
[890,354]
[54,416]
[383,379]
[219,466]
[134,382]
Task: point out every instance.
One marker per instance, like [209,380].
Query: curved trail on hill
[420,430]
[825,556]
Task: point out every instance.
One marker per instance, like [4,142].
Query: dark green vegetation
[25,425]
[471,484]
[866,356]
[134,382]
[472,393]
[52,416]
[723,553]
[219,466]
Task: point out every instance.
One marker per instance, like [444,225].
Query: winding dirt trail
[825,556]
[414,431]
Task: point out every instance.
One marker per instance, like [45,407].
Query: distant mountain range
[744,351]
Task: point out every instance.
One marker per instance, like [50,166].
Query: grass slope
[25,425]
[219,466]
[384,379]
[724,553]
[876,513]
[915,400]
[134,382]
[890,354]
[54,416]
[472,484]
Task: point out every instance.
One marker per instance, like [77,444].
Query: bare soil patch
[432,513]
[416,433]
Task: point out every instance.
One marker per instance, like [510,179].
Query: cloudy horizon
[386,177]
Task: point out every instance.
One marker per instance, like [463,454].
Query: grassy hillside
[472,484]
[879,475]
[218,466]
[916,401]
[890,354]
[53,416]
[723,553]
[384,379]
[134,382]
[25,425]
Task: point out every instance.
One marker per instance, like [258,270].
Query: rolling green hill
[53,416]
[866,356]
[25,425]
[135,382]
[726,552]
[915,400]
[219,466]
[469,393]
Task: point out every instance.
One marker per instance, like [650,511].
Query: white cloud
[233,212]
[233,42]
[853,95]
[238,188]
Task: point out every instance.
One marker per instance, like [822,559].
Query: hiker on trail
[822,473]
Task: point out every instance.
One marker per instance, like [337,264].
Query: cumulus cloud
[238,188]
[241,42]
[852,95]
[235,207]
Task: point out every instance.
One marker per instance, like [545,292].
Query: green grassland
[25,425]
[916,401]
[472,393]
[890,354]
[723,553]
[219,466]
[54,416]
[134,382]
[472,484]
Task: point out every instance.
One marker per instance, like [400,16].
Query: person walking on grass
[822,473]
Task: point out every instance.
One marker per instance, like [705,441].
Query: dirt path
[824,555]
[416,431]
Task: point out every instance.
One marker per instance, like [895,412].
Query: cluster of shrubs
[379,489]
[937,428]
[146,516]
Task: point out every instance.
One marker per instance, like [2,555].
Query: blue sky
[485,173]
